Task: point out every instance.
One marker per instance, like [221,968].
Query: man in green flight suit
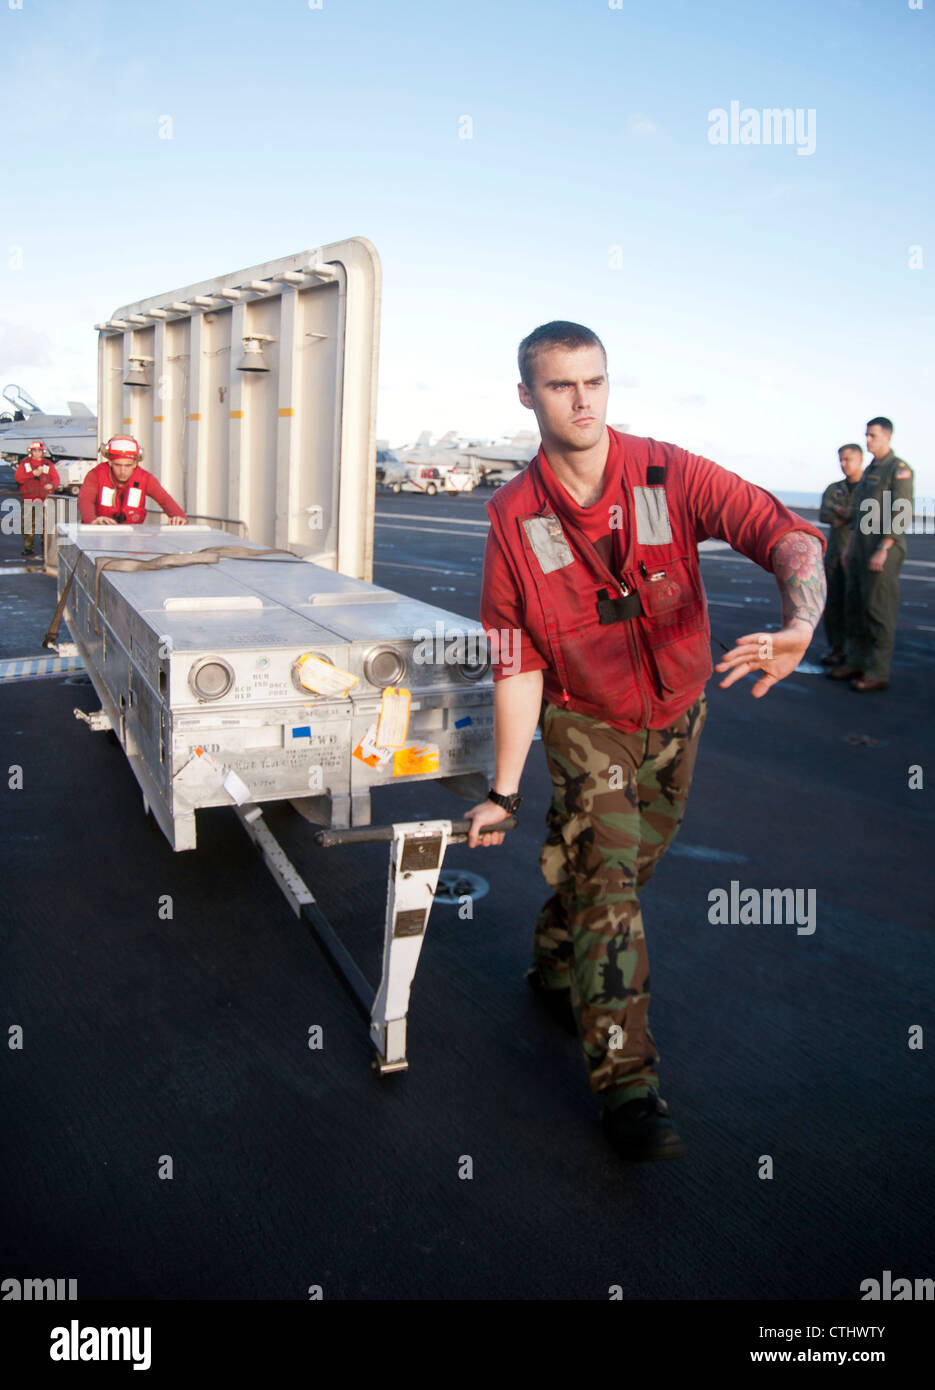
[882,516]
[837,509]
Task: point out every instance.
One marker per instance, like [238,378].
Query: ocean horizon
[800,499]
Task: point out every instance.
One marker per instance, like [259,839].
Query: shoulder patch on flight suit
[904,472]
[652,516]
[548,542]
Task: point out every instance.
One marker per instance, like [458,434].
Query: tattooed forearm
[800,574]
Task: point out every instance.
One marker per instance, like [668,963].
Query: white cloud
[22,348]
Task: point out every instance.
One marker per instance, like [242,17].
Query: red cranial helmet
[37,446]
[123,449]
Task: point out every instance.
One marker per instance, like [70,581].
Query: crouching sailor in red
[593,602]
[116,490]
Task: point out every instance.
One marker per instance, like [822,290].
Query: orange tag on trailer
[418,759]
[394,717]
[369,751]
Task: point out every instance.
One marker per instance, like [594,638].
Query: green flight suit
[872,600]
[837,510]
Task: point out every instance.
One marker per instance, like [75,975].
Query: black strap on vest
[617,610]
[621,610]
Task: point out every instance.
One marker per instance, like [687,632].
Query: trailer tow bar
[97,721]
[417,851]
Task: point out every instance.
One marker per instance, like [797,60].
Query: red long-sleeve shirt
[648,677]
[36,478]
[101,495]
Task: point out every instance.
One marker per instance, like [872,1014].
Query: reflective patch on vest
[108,496]
[652,516]
[548,542]
[134,497]
[28,469]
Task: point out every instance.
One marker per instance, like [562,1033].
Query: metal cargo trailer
[202,671]
[237,669]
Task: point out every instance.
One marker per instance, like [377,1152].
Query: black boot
[641,1129]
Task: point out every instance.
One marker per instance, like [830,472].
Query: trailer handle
[460,829]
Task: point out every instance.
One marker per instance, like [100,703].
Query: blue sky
[757,305]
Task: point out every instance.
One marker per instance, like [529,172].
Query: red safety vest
[36,479]
[632,649]
[111,500]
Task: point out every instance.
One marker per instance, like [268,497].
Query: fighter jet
[483,459]
[72,436]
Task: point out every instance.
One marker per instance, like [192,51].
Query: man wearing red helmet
[37,476]
[116,490]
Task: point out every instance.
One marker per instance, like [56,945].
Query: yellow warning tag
[420,758]
[322,678]
[394,717]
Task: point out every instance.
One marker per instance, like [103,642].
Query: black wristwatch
[509,803]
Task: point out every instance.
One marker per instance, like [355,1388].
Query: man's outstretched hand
[775,653]
[487,813]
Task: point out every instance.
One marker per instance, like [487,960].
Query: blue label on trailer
[304,731]
[463,723]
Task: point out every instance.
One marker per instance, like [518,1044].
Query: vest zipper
[620,582]
[635,657]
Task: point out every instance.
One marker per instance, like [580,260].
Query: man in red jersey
[115,492]
[592,582]
[36,477]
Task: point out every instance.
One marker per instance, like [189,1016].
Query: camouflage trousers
[617,803]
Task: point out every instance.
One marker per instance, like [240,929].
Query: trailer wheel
[74,490]
[397,487]
[430,489]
